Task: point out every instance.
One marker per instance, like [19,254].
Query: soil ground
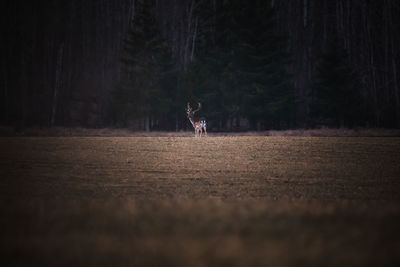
[216,201]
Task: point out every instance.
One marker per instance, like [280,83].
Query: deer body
[198,124]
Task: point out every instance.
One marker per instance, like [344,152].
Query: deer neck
[191,120]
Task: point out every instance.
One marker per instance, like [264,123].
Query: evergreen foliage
[243,74]
[335,101]
[147,65]
[261,62]
[239,72]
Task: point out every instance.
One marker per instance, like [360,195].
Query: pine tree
[243,72]
[146,64]
[335,101]
[204,82]
[210,76]
[261,63]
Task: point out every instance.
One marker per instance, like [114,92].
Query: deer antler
[198,108]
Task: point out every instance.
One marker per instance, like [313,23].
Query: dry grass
[218,201]
[125,132]
[338,132]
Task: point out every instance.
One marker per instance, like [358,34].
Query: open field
[125,132]
[217,201]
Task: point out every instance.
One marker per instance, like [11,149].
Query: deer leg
[205,130]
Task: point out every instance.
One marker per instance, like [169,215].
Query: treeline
[243,70]
[239,72]
[252,65]
[60,60]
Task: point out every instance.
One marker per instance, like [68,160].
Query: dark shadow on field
[204,233]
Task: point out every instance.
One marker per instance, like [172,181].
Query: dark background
[253,65]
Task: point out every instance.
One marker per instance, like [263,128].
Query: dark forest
[252,65]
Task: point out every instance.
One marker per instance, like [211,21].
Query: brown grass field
[184,201]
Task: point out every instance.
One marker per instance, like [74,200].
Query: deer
[198,124]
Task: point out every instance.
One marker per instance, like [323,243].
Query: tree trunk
[147,123]
[58,83]
[22,100]
[305,9]
[176,122]
[396,92]
[5,89]
[194,40]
